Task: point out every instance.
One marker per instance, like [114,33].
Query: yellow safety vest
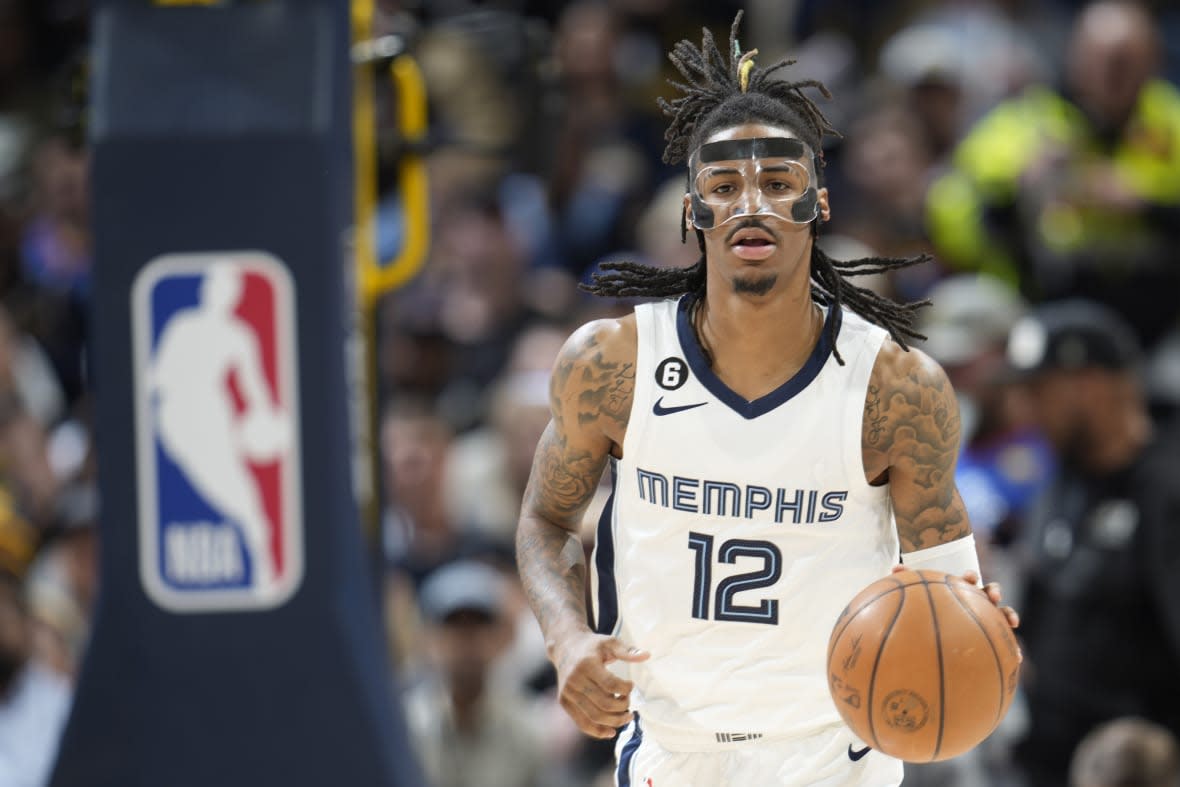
[988,165]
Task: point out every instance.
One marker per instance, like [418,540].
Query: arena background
[409,193]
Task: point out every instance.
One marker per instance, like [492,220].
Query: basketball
[922,666]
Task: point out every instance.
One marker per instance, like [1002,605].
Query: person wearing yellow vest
[1076,192]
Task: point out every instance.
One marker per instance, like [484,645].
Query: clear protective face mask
[749,178]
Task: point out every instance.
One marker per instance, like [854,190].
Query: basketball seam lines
[990,644]
[941,670]
[864,605]
[877,660]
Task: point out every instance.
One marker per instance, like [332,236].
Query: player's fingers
[971,577]
[602,709]
[614,650]
[1012,615]
[609,701]
[613,717]
[586,725]
[611,684]
[993,591]
[591,676]
[583,719]
[897,569]
[601,732]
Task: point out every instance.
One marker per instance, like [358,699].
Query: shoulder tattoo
[596,387]
[590,397]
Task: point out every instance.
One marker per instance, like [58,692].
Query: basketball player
[762,423]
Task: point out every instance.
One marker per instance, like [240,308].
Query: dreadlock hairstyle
[720,93]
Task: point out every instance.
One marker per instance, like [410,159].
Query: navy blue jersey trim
[623,774]
[763,405]
[604,562]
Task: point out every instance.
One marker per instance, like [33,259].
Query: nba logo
[217,432]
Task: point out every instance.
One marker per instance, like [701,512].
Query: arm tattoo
[553,571]
[563,480]
[590,397]
[548,548]
[874,421]
[913,420]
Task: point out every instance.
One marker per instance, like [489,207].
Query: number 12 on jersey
[724,606]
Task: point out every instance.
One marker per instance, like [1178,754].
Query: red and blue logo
[217,423]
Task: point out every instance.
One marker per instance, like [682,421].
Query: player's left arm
[911,436]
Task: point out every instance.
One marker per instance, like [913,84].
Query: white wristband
[956,557]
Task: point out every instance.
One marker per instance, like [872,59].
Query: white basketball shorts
[833,758]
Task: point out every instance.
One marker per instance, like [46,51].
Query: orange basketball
[922,665]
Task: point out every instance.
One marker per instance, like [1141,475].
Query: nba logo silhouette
[220,520]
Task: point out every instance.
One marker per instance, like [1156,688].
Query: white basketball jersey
[736,533]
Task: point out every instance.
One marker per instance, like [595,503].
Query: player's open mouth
[753,244]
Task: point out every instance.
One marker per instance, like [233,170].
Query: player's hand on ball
[595,698]
[993,592]
[992,589]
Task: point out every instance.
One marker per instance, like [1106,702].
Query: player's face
[759,177]
[753,196]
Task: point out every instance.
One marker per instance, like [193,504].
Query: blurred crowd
[1032,146]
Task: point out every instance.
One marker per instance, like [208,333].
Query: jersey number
[724,607]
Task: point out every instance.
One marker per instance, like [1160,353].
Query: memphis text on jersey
[745,501]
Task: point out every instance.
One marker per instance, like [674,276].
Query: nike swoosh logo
[856,755]
[659,409]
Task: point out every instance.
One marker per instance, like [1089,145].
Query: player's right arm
[590,401]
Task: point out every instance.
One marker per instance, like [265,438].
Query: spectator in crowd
[1075,192]
[417,531]
[956,61]
[417,534]
[420,527]
[19,98]
[57,243]
[601,155]
[1101,550]
[415,356]
[470,730]
[1126,752]
[56,260]
[476,271]
[24,447]
[488,466]
[63,581]
[655,244]
[886,161]
[34,700]
[27,374]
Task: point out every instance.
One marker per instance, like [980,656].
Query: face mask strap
[755,148]
[702,215]
[807,207]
